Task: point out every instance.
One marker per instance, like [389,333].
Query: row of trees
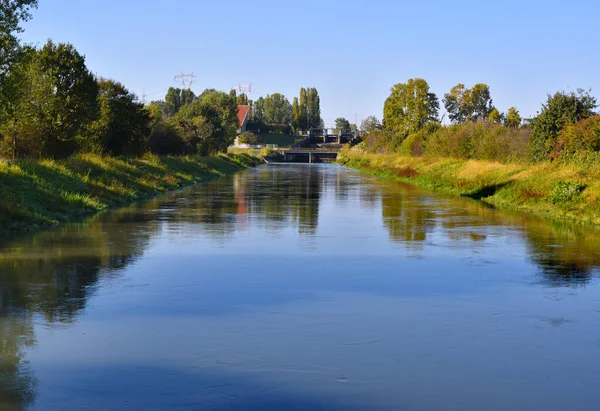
[186,123]
[301,115]
[412,108]
[51,105]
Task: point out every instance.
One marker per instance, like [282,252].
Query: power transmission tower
[247,89]
[186,80]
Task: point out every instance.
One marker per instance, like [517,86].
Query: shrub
[566,191]
[560,110]
[248,138]
[479,140]
[414,144]
[581,137]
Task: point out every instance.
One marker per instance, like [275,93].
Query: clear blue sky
[352,51]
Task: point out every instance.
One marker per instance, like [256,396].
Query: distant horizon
[352,53]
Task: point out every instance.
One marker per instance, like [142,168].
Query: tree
[12,12]
[464,104]
[368,125]
[560,109]
[495,117]
[303,110]
[409,107]
[123,123]
[177,98]
[481,102]
[342,125]
[313,108]
[258,113]
[242,100]
[296,115]
[57,102]
[208,124]
[277,109]
[513,118]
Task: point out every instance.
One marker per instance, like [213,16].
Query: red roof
[242,114]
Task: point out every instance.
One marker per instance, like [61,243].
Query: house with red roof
[242,113]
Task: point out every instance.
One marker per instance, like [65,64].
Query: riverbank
[37,194]
[556,190]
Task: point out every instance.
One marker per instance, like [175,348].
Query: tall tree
[464,104]
[58,101]
[123,124]
[12,13]
[559,110]
[495,117]
[296,115]
[409,107]
[303,108]
[277,109]
[342,125]
[258,112]
[242,100]
[173,101]
[368,125]
[313,108]
[513,118]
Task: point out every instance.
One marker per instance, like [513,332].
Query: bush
[560,110]
[414,144]
[581,137]
[248,138]
[566,191]
[479,140]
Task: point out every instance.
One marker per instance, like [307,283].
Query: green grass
[36,194]
[283,140]
[557,190]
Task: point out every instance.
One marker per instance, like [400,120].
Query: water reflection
[50,277]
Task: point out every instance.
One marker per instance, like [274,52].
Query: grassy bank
[36,194]
[557,190]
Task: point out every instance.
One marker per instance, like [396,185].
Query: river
[302,287]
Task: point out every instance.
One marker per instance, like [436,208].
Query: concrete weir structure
[310,155]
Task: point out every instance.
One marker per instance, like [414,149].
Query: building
[242,113]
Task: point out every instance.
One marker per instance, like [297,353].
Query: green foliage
[342,125]
[409,107]
[566,191]
[310,109]
[561,109]
[55,103]
[12,13]
[513,118]
[258,112]
[472,104]
[122,127]
[368,125]
[582,137]
[277,109]
[479,140]
[495,117]
[248,138]
[414,144]
[177,98]
[242,100]
[296,115]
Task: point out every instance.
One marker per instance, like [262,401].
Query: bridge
[310,154]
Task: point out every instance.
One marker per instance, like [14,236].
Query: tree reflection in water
[50,276]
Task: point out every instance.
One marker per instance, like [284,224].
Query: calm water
[302,287]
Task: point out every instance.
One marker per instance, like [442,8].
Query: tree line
[566,125]
[52,106]
[275,110]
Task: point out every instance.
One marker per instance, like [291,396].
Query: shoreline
[41,194]
[557,191]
